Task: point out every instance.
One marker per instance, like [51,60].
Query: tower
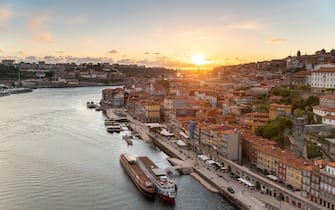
[298,133]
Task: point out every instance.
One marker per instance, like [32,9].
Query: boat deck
[147,162]
[137,170]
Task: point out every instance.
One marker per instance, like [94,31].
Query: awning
[272,177]
[203,157]
[164,132]
[181,143]
[183,135]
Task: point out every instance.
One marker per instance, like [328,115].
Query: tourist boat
[127,139]
[90,104]
[116,127]
[165,187]
[142,182]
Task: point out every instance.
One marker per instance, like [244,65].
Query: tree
[298,53]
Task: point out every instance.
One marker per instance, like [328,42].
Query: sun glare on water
[199,59]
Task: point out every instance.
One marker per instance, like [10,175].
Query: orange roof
[329,96]
[325,70]
[330,117]
[323,108]
[301,74]
[332,164]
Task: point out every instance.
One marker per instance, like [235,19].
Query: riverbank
[201,172]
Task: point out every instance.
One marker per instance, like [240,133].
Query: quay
[244,198]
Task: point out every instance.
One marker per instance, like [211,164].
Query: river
[56,154]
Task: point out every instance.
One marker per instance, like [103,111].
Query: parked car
[231,190]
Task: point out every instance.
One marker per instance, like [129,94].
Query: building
[279,110]
[318,183]
[8,62]
[218,141]
[326,109]
[301,78]
[113,97]
[323,78]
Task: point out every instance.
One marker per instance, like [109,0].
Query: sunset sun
[199,59]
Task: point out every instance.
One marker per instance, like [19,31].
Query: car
[231,190]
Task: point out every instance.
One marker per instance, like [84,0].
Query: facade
[218,141]
[278,110]
[151,111]
[113,97]
[323,78]
[326,109]
[318,183]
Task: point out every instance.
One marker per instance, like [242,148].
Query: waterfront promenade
[211,179]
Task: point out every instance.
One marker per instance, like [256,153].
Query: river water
[56,154]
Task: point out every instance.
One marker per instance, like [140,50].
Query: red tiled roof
[329,96]
[323,108]
[330,117]
[325,70]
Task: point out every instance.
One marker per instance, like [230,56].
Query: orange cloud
[113,52]
[277,40]
[243,26]
[44,37]
[37,22]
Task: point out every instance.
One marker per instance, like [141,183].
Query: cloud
[157,53]
[31,59]
[146,53]
[44,37]
[60,52]
[37,22]
[243,26]
[126,61]
[113,52]
[1,50]
[277,40]
[5,14]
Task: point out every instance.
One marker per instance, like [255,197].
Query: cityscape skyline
[175,34]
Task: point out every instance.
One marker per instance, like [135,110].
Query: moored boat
[90,104]
[165,187]
[114,128]
[127,139]
[142,182]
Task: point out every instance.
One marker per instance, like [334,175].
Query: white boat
[165,187]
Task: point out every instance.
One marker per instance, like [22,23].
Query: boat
[4,93]
[4,90]
[165,187]
[115,127]
[90,104]
[127,139]
[142,182]
[98,108]
[20,90]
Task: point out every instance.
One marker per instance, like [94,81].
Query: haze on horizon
[177,33]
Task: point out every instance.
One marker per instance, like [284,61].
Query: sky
[181,34]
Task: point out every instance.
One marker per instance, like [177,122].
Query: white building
[326,109]
[323,78]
